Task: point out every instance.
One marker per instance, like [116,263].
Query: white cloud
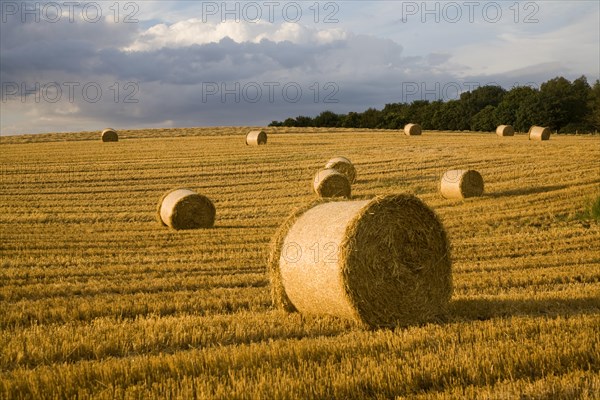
[194,31]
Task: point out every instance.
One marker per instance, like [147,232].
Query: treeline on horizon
[561,105]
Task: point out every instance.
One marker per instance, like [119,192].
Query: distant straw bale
[343,166]
[109,135]
[412,129]
[256,138]
[186,209]
[461,183]
[539,133]
[505,130]
[383,262]
[331,183]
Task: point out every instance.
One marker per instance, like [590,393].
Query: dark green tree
[370,118]
[453,116]
[393,116]
[416,111]
[289,122]
[593,117]
[433,116]
[352,120]
[484,120]
[327,119]
[563,102]
[559,104]
[517,108]
[303,121]
[478,99]
[579,102]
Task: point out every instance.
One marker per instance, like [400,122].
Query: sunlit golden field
[97,299]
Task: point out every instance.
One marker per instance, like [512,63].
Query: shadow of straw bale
[484,309]
[526,191]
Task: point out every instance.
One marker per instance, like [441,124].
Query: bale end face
[256,138]
[344,166]
[331,183]
[461,184]
[184,209]
[109,135]
[382,262]
[412,129]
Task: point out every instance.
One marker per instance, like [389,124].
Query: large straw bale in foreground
[539,133]
[256,138]
[461,183]
[412,129]
[186,209]
[109,135]
[505,130]
[344,166]
[331,183]
[383,262]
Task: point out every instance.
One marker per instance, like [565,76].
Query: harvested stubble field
[99,300]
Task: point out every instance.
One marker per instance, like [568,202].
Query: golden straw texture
[505,130]
[412,129]
[331,183]
[344,166]
[383,262]
[461,183]
[185,209]
[539,133]
[256,138]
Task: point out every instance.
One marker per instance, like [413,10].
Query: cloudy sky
[72,66]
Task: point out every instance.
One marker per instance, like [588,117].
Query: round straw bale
[505,130]
[343,166]
[383,262]
[539,133]
[186,209]
[109,135]
[256,138]
[331,183]
[461,183]
[412,129]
